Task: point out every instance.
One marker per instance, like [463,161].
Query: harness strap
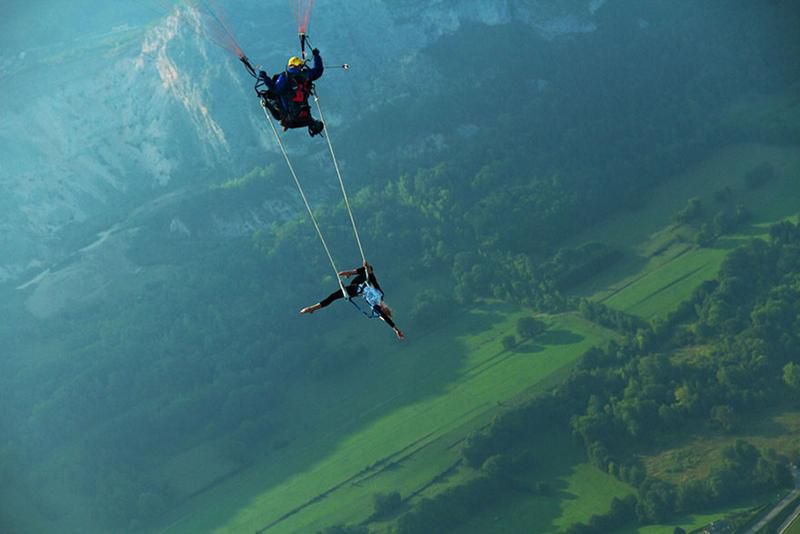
[370,315]
[361,291]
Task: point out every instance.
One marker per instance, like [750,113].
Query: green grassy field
[794,528]
[664,287]
[395,430]
[579,490]
[660,265]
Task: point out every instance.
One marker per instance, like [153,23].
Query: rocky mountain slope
[94,127]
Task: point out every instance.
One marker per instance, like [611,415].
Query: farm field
[578,490]
[395,436]
[662,289]
[660,265]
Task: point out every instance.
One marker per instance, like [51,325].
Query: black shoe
[316,128]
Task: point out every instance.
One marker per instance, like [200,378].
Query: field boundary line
[645,275]
[676,281]
[436,479]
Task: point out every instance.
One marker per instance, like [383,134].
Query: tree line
[633,394]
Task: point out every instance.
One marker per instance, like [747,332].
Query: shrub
[386,504]
[528,327]
[693,210]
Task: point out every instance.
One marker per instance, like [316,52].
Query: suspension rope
[327,137]
[305,201]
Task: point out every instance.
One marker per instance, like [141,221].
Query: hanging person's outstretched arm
[384,313]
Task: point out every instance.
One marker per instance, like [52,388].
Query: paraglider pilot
[286,97]
[363,285]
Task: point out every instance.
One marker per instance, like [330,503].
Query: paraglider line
[339,175]
[217,30]
[305,201]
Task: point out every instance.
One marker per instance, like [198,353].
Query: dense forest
[597,120]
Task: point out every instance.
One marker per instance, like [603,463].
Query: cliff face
[93,128]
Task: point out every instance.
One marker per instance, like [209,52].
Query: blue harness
[372,297]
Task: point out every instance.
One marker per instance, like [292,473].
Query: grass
[664,287]
[579,490]
[660,266]
[635,229]
[689,523]
[694,455]
[395,429]
[781,517]
[794,528]
[183,477]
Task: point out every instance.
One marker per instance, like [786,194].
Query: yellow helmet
[295,62]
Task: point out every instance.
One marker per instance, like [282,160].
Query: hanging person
[364,285]
[286,97]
